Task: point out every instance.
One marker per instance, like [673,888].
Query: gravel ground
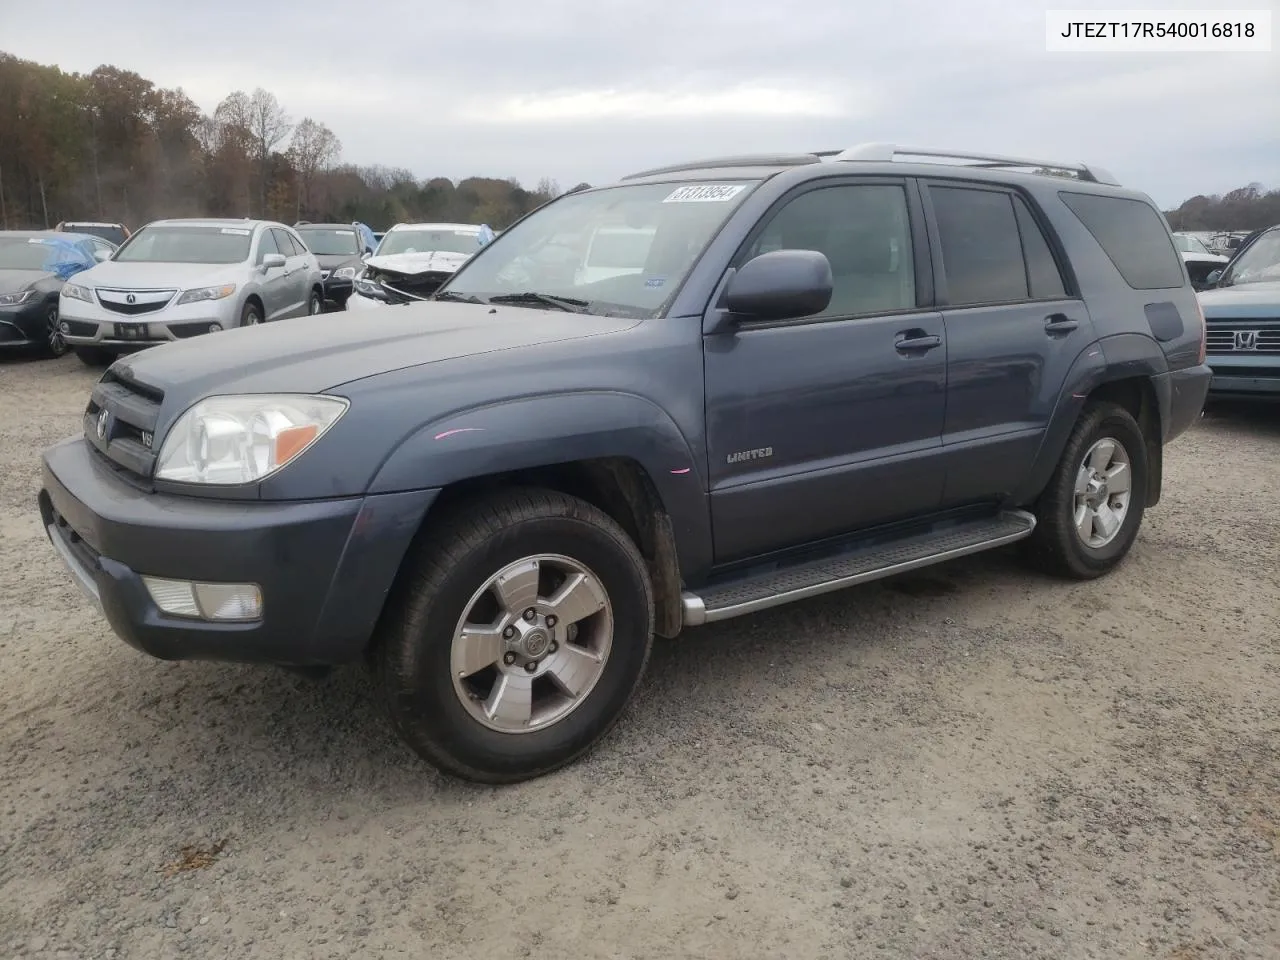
[973,763]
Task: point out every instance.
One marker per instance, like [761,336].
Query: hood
[112,273]
[1203,257]
[428,261]
[13,281]
[1260,299]
[314,354]
[332,261]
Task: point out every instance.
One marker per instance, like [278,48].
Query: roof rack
[886,152]
[749,160]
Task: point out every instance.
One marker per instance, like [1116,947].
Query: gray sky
[594,89]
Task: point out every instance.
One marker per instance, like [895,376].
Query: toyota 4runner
[818,370]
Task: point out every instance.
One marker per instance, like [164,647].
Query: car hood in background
[1260,299]
[13,281]
[112,273]
[409,264]
[313,354]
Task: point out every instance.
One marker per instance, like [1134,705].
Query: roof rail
[886,152]
[749,160]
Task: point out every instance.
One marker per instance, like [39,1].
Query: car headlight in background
[13,299]
[201,294]
[77,292]
[369,289]
[344,273]
[242,439]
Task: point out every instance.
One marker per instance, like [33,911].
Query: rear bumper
[324,567]
[1182,393]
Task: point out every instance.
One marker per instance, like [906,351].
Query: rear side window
[981,246]
[1133,236]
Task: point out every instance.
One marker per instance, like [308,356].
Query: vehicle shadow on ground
[1242,416]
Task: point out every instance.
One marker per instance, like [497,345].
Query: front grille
[1244,337]
[134,302]
[120,422]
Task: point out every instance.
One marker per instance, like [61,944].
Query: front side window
[649,236]
[865,233]
[285,243]
[267,244]
[1260,261]
[181,244]
[330,243]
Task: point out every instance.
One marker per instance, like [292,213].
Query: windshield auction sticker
[705,193]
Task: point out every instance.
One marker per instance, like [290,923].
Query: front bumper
[25,325]
[324,566]
[357,301]
[92,325]
[1245,376]
[337,290]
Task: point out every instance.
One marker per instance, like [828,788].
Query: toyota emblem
[131,299]
[102,425]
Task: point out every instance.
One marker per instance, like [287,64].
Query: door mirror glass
[781,285]
[272,260]
[1213,277]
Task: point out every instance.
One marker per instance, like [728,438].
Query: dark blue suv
[790,374]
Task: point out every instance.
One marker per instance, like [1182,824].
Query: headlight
[77,292]
[344,273]
[13,299]
[200,294]
[369,289]
[242,439]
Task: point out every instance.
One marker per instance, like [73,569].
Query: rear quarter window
[1133,235]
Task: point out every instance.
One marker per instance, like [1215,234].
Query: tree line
[1246,208]
[112,146]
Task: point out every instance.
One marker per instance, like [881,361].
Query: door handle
[917,340]
[1059,323]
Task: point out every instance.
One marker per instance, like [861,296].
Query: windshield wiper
[458,297]
[568,304]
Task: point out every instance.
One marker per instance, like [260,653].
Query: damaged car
[413,260]
[1200,260]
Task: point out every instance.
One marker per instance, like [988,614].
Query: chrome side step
[872,562]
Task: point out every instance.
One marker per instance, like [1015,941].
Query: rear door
[1014,328]
[830,423]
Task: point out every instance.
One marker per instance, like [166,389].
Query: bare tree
[314,148]
[268,125]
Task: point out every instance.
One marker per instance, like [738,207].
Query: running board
[860,565]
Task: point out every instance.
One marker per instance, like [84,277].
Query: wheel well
[621,488]
[1137,396]
[256,301]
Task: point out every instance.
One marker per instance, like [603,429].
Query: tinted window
[1133,235]
[864,231]
[981,246]
[267,244]
[285,243]
[1042,270]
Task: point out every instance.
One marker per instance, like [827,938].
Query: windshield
[1190,244]
[325,243]
[21,253]
[187,245]
[1260,261]
[623,250]
[429,241]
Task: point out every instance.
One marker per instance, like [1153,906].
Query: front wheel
[1088,516]
[315,305]
[55,344]
[518,632]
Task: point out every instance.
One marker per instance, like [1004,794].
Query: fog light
[206,601]
[215,327]
[64,327]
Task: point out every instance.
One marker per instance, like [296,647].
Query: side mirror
[272,260]
[101,255]
[366,255]
[781,285]
[1213,277]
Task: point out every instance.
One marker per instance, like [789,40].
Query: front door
[1013,332]
[275,280]
[831,423]
[295,274]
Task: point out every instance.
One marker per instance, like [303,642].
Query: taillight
[1204,332]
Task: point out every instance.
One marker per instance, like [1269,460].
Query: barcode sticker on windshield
[237,231]
[705,193]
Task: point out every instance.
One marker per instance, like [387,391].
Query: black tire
[54,345]
[315,304]
[1055,547]
[412,652]
[95,356]
[251,315]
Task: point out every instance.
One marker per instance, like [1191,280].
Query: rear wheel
[1088,516]
[55,345]
[95,356]
[518,633]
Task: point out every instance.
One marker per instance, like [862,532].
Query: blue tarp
[68,254]
[486,234]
